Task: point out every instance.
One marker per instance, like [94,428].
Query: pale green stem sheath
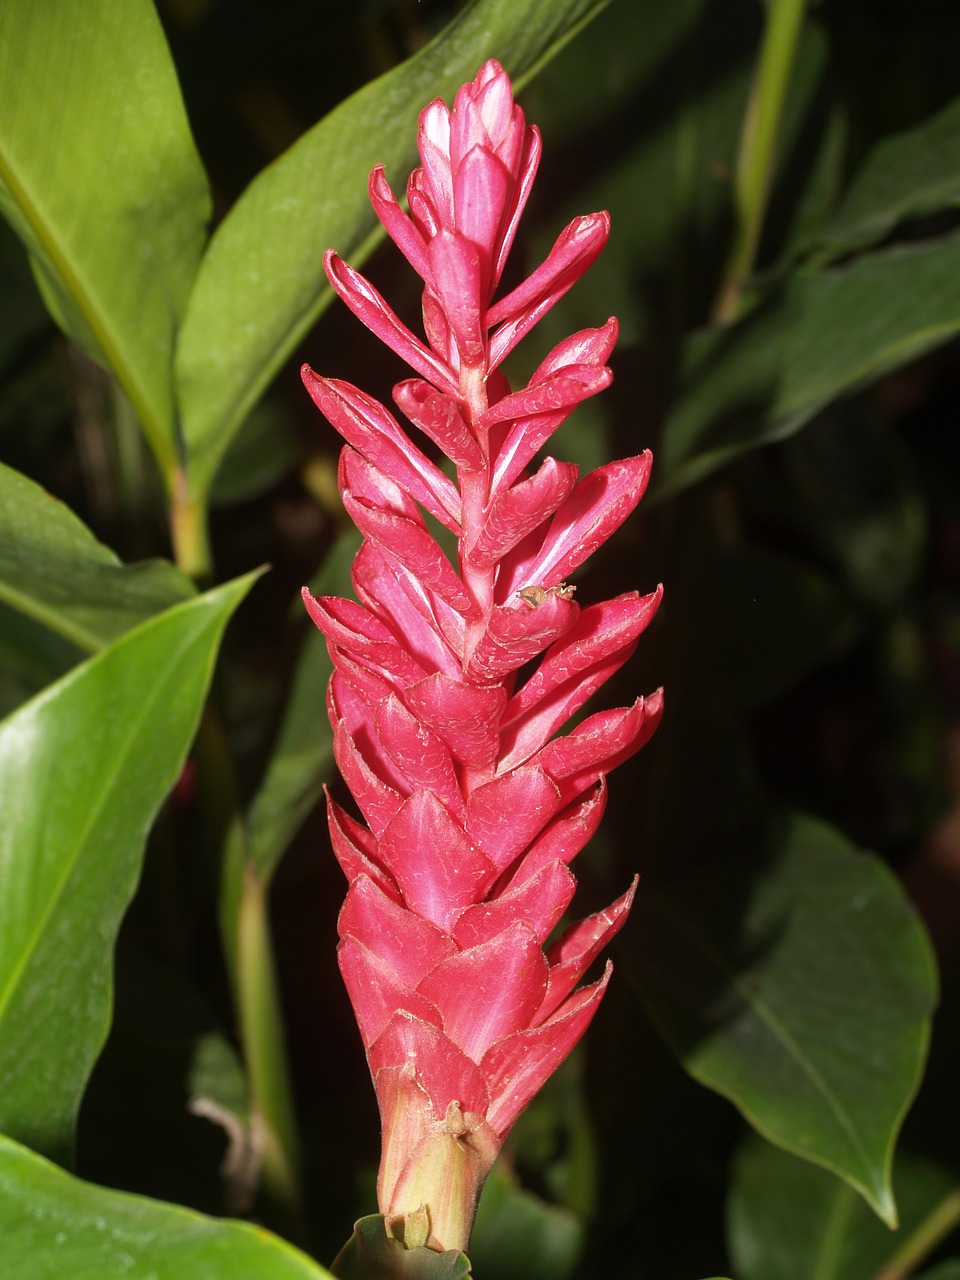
[188,530]
[917,1248]
[757,155]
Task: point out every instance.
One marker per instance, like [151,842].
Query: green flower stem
[756,158]
[917,1248]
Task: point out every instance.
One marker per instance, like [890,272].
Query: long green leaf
[56,1227]
[83,770]
[100,178]
[788,1220]
[53,570]
[798,982]
[262,285]
[824,334]
[911,173]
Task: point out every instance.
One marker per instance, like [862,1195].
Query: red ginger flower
[473,809]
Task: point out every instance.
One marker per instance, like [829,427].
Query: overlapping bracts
[472,808]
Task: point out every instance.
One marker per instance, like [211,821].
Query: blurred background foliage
[805,519]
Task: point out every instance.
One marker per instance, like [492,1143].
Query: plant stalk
[917,1248]
[262,1033]
[757,154]
[188,531]
[248,954]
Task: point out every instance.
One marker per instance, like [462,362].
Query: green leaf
[262,285]
[22,314]
[855,495]
[83,769]
[824,334]
[946,1271]
[303,756]
[797,981]
[31,657]
[54,1225]
[906,175]
[788,1220]
[370,1254]
[797,620]
[100,178]
[53,570]
[518,1236]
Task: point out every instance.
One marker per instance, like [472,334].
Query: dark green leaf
[263,451]
[855,495]
[53,570]
[946,1271]
[796,980]
[100,178]
[788,1220]
[908,174]
[303,756]
[767,620]
[824,334]
[83,769]
[518,1236]
[31,657]
[55,1227]
[22,314]
[370,1254]
[262,284]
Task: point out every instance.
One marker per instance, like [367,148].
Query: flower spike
[473,808]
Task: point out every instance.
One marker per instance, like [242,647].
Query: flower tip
[331,261]
[653,704]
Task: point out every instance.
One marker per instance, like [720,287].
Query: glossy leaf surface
[799,983]
[100,178]
[262,283]
[53,1225]
[83,769]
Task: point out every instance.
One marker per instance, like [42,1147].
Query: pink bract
[473,810]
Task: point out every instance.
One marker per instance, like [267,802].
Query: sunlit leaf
[83,769]
[100,178]
[55,1226]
